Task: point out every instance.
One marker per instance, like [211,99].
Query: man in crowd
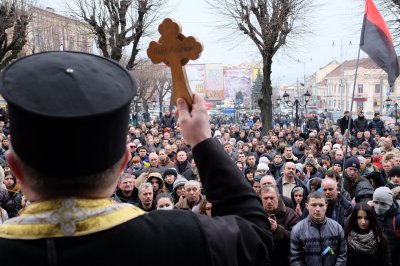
[282,220]
[317,240]
[360,123]
[193,196]
[167,121]
[388,213]
[289,180]
[353,182]
[126,190]
[338,207]
[146,197]
[288,155]
[377,124]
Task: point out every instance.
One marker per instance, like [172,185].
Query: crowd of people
[331,196]
[356,180]
[342,189]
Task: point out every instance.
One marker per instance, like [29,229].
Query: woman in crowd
[164,201]
[205,207]
[299,198]
[249,173]
[311,169]
[14,191]
[366,242]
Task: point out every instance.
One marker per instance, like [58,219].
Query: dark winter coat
[286,219]
[360,124]
[378,124]
[343,124]
[386,221]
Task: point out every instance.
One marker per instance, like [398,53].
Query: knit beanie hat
[326,147]
[394,171]
[262,166]
[264,159]
[170,171]
[353,162]
[337,162]
[383,194]
[180,181]
[377,150]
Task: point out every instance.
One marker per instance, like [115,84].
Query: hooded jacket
[386,221]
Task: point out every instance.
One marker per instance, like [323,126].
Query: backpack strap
[396,224]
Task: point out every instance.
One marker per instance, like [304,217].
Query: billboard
[214,82]
[196,77]
[235,80]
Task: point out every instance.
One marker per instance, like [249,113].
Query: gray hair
[268,188]
[145,185]
[125,176]
[192,183]
[270,177]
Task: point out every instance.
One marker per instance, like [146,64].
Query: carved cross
[175,50]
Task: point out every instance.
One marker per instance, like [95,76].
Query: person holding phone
[282,220]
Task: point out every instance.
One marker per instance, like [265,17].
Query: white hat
[217,133]
[262,166]
[264,159]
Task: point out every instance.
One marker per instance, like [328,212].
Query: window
[360,88]
[377,88]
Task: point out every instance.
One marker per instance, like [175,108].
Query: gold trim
[68,217]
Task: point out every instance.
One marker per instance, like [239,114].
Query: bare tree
[14,20]
[118,24]
[391,11]
[268,24]
[162,83]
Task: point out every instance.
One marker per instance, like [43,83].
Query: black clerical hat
[68,111]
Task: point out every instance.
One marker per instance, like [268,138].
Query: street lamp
[296,104]
[389,103]
[278,101]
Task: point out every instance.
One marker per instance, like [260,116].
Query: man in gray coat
[317,240]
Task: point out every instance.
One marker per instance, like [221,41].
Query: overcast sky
[337,21]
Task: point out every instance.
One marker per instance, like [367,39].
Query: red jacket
[377,161]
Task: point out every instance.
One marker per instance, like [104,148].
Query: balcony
[360,97]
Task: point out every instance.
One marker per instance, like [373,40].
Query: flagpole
[348,136]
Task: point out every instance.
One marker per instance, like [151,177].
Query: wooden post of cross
[175,50]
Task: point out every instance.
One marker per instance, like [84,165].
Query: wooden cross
[175,50]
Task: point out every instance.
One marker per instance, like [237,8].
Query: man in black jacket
[360,123]
[344,122]
[71,219]
[167,121]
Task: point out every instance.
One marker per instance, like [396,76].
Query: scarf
[182,166]
[363,243]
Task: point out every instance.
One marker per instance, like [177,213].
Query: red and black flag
[377,42]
